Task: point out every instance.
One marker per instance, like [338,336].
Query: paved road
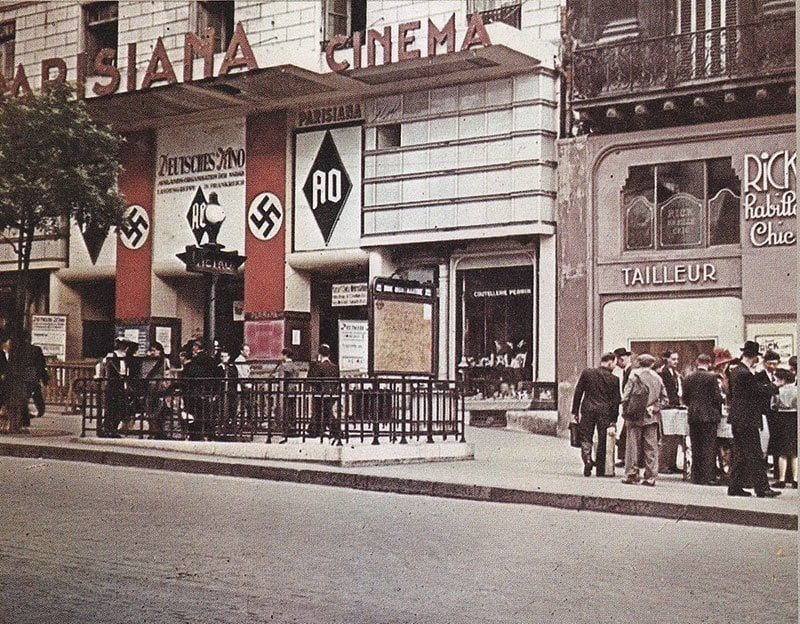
[97,544]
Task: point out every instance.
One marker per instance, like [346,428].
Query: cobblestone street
[87,543]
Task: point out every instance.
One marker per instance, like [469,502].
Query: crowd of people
[730,406]
[151,389]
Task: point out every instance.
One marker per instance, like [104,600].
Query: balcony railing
[765,49]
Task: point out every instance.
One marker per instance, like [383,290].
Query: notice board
[403,328]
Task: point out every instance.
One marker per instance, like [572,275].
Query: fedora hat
[750,349]
[621,351]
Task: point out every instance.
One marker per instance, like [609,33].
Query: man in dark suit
[327,395]
[668,446]
[116,368]
[747,396]
[35,374]
[597,395]
[703,397]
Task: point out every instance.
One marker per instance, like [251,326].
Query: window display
[495,322]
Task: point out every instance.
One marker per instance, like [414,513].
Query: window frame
[657,243]
[8,36]
[96,32]
[205,17]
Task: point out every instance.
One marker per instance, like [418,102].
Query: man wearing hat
[622,371]
[747,396]
[597,399]
[116,368]
[769,364]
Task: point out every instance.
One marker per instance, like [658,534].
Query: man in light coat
[643,433]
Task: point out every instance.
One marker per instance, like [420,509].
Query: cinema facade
[427,156]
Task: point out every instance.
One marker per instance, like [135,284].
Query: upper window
[219,16]
[100,27]
[344,17]
[8,32]
[681,205]
[505,11]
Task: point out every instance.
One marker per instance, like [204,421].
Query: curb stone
[400,485]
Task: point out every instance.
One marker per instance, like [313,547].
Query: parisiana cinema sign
[397,42]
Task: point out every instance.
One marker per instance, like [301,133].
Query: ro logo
[325,187]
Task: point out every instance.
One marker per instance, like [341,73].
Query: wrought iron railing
[363,409]
[763,49]
[61,377]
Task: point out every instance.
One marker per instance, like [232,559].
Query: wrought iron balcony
[511,15]
[758,52]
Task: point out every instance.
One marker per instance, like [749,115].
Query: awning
[478,64]
[261,89]
[289,86]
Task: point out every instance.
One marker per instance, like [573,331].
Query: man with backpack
[642,399]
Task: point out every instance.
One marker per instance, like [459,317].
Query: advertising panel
[327,191]
[200,187]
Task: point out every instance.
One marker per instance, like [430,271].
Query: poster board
[403,328]
[353,345]
[49,331]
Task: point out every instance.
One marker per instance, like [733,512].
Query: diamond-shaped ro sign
[196,215]
[327,187]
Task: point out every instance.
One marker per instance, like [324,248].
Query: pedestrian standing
[766,373]
[622,370]
[703,398]
[747,395]
[325,399]
[668,447]
[287,402]
[34,375]
[643,428]
[116,369]
[786,427]
[596,399]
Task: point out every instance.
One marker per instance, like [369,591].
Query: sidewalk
[509,467]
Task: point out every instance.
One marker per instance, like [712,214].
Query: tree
[56,164]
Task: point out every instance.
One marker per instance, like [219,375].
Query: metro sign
[327,187]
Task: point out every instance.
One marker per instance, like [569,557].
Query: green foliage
[55,163]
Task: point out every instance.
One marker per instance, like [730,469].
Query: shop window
[681,205]
[388,136]
[343,17]
[100,27]
[219,16]
[8,33]
[495,320]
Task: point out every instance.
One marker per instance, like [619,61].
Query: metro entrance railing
[371,410]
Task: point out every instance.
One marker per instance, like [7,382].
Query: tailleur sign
[770,198]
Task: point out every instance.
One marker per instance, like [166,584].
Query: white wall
[702,318]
